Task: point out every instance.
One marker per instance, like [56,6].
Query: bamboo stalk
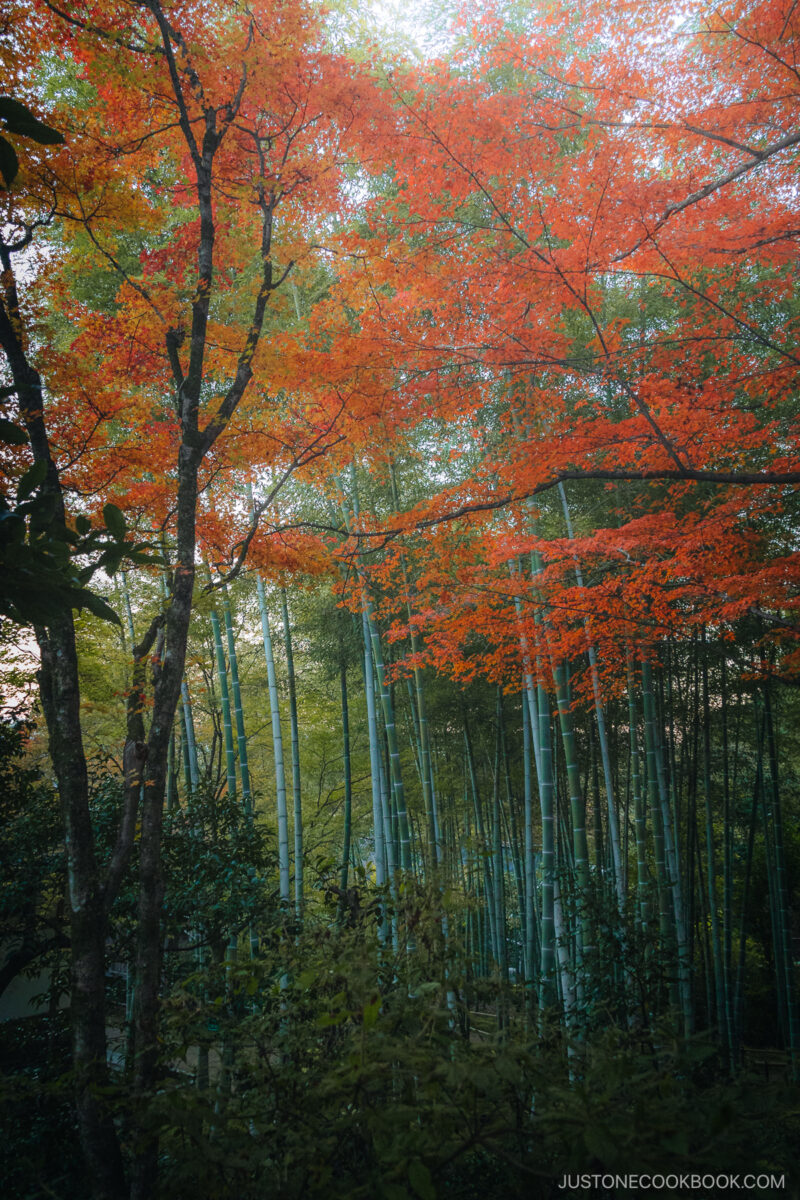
[241,737]
[783,951]
[711,862]
[225,704]
[277,751]
[190,746]
[348,796]
[295,739]
[613,823]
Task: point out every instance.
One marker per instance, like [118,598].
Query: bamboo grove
[400,467]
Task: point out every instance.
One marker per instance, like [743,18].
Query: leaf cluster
[43,562]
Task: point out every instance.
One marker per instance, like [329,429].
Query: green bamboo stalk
[498,872]
[419,711]
[390,839]
[533,925]
[738,999]
[639,811]
[348,795]
[705,946]
[424,844]
[183,754]
[711,862]
[546,799]
[547,795]
[236,691]
[398,792]
[666,912]
[670,901]
[783,951]
[277,749]
[565,969]
[225,704]
[387,709]
[483,849]
[512,835]
[190,743]
[530,883]
[577,803]
[692,849]
[374,760]
[295,739]
[172,775]
[426,761]
[727,868]
[529,684]
[613,823]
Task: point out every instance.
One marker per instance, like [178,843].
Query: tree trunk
[88,899]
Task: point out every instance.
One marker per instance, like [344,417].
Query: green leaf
[11,434]
[371,1013]
[331,1019]
[82,525]
[677,1143]
[141,559]
[31,480]
[115,521]
[393,1191]
[600,1144]
[96,605]
[110,560]
[9,163]
[19,119]
[420,1179]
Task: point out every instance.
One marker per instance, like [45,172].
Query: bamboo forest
[400,599]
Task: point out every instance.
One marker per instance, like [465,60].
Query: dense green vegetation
[361,1050]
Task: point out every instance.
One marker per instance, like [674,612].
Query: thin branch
[650,474]
[708,189]
[167,35]
[316,449]
[105,34]
[139,288]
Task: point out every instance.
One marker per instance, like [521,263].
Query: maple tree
[595,281]
[195,131]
